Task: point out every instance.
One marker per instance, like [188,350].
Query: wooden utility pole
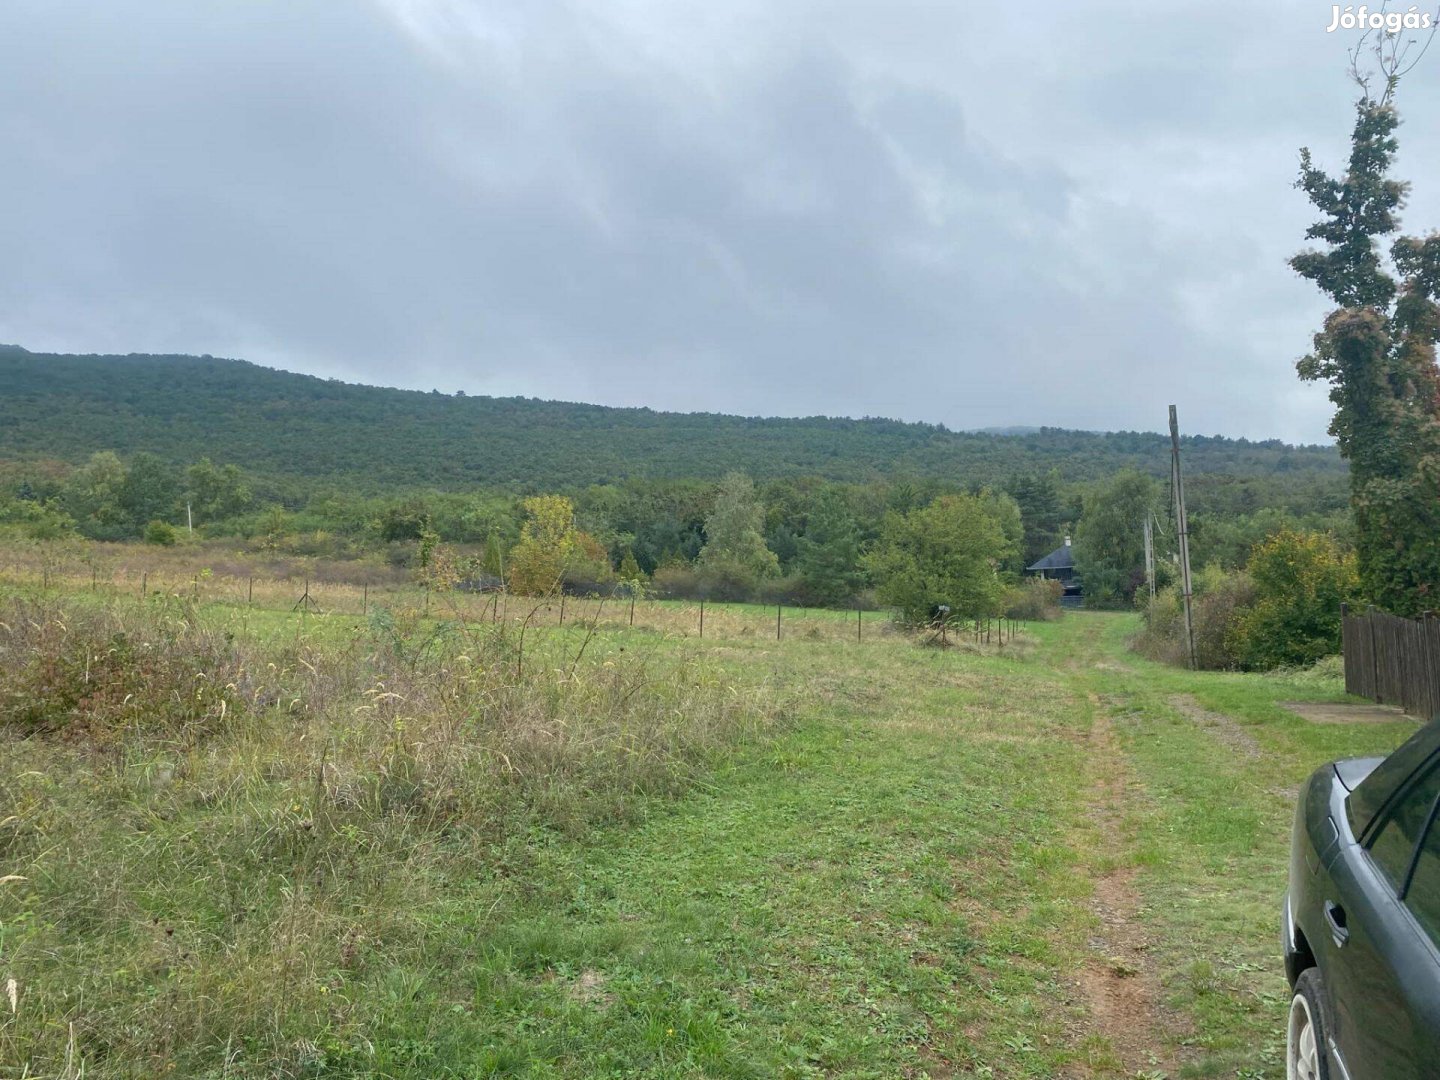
[1149,555]
[1183,529]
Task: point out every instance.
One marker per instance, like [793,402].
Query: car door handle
[1335,916]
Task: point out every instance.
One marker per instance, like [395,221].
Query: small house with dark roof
[1059,566]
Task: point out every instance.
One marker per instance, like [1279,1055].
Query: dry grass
[210,575]
[207,834]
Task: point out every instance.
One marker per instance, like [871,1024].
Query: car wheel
[1305,1033]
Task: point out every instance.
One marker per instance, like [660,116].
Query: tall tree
[1042,512]
[828,552]
[1006,511]
[1377,352]
[945,553]
[1109,537]
[92,497]
[734,536]
[216,492]
[150,491]
[548,544]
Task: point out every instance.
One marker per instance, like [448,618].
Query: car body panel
[1354,770]
[1380,970]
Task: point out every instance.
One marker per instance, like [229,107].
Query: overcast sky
[978,214]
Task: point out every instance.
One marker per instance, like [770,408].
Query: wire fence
[308,596]
[1393,660]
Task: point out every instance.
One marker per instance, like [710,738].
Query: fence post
[144,583]
[702,619]
[1432,664]
[1374,658]
[562,609]
[777,622]
[365,598]
[859,624]
[1345,648]
[632,606]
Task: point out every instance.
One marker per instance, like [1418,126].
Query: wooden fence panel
[1393,661]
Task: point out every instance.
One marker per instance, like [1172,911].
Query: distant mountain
[281,425]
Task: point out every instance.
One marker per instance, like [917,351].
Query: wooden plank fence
[1392,660]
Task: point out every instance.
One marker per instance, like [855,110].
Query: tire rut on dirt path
[1118,983]
[1226,729]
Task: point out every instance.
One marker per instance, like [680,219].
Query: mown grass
[625,852]
[1210,827]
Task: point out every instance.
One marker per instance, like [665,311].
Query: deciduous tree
[547,546]
[1300,579]
[1109,537]
[1377,352]
[735,555]
[945,553]
[150,491]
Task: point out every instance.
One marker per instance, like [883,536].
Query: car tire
[1307,1030]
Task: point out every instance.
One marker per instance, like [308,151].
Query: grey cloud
[1009,214]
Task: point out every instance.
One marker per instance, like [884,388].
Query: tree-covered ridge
[282,426]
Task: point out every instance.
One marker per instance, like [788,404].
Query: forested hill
[278,424]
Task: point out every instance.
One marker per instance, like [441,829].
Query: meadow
[397,835]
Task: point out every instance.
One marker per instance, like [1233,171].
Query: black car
[1362,918]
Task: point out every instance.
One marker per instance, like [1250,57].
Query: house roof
[1062,558]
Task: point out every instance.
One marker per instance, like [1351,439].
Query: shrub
[1301,579]
[676,581]
[1035,599]
[1220,597]
[1283,610]
[85,671]
[162,533]
[726,579]
[36,521]
[794,590]
[1215,613]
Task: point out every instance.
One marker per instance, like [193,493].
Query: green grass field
[396,847]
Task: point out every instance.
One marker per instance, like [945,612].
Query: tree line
[906,543]
[295,433]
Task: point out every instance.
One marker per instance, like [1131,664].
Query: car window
[1394,843]
[1423,896]
[1370,797]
